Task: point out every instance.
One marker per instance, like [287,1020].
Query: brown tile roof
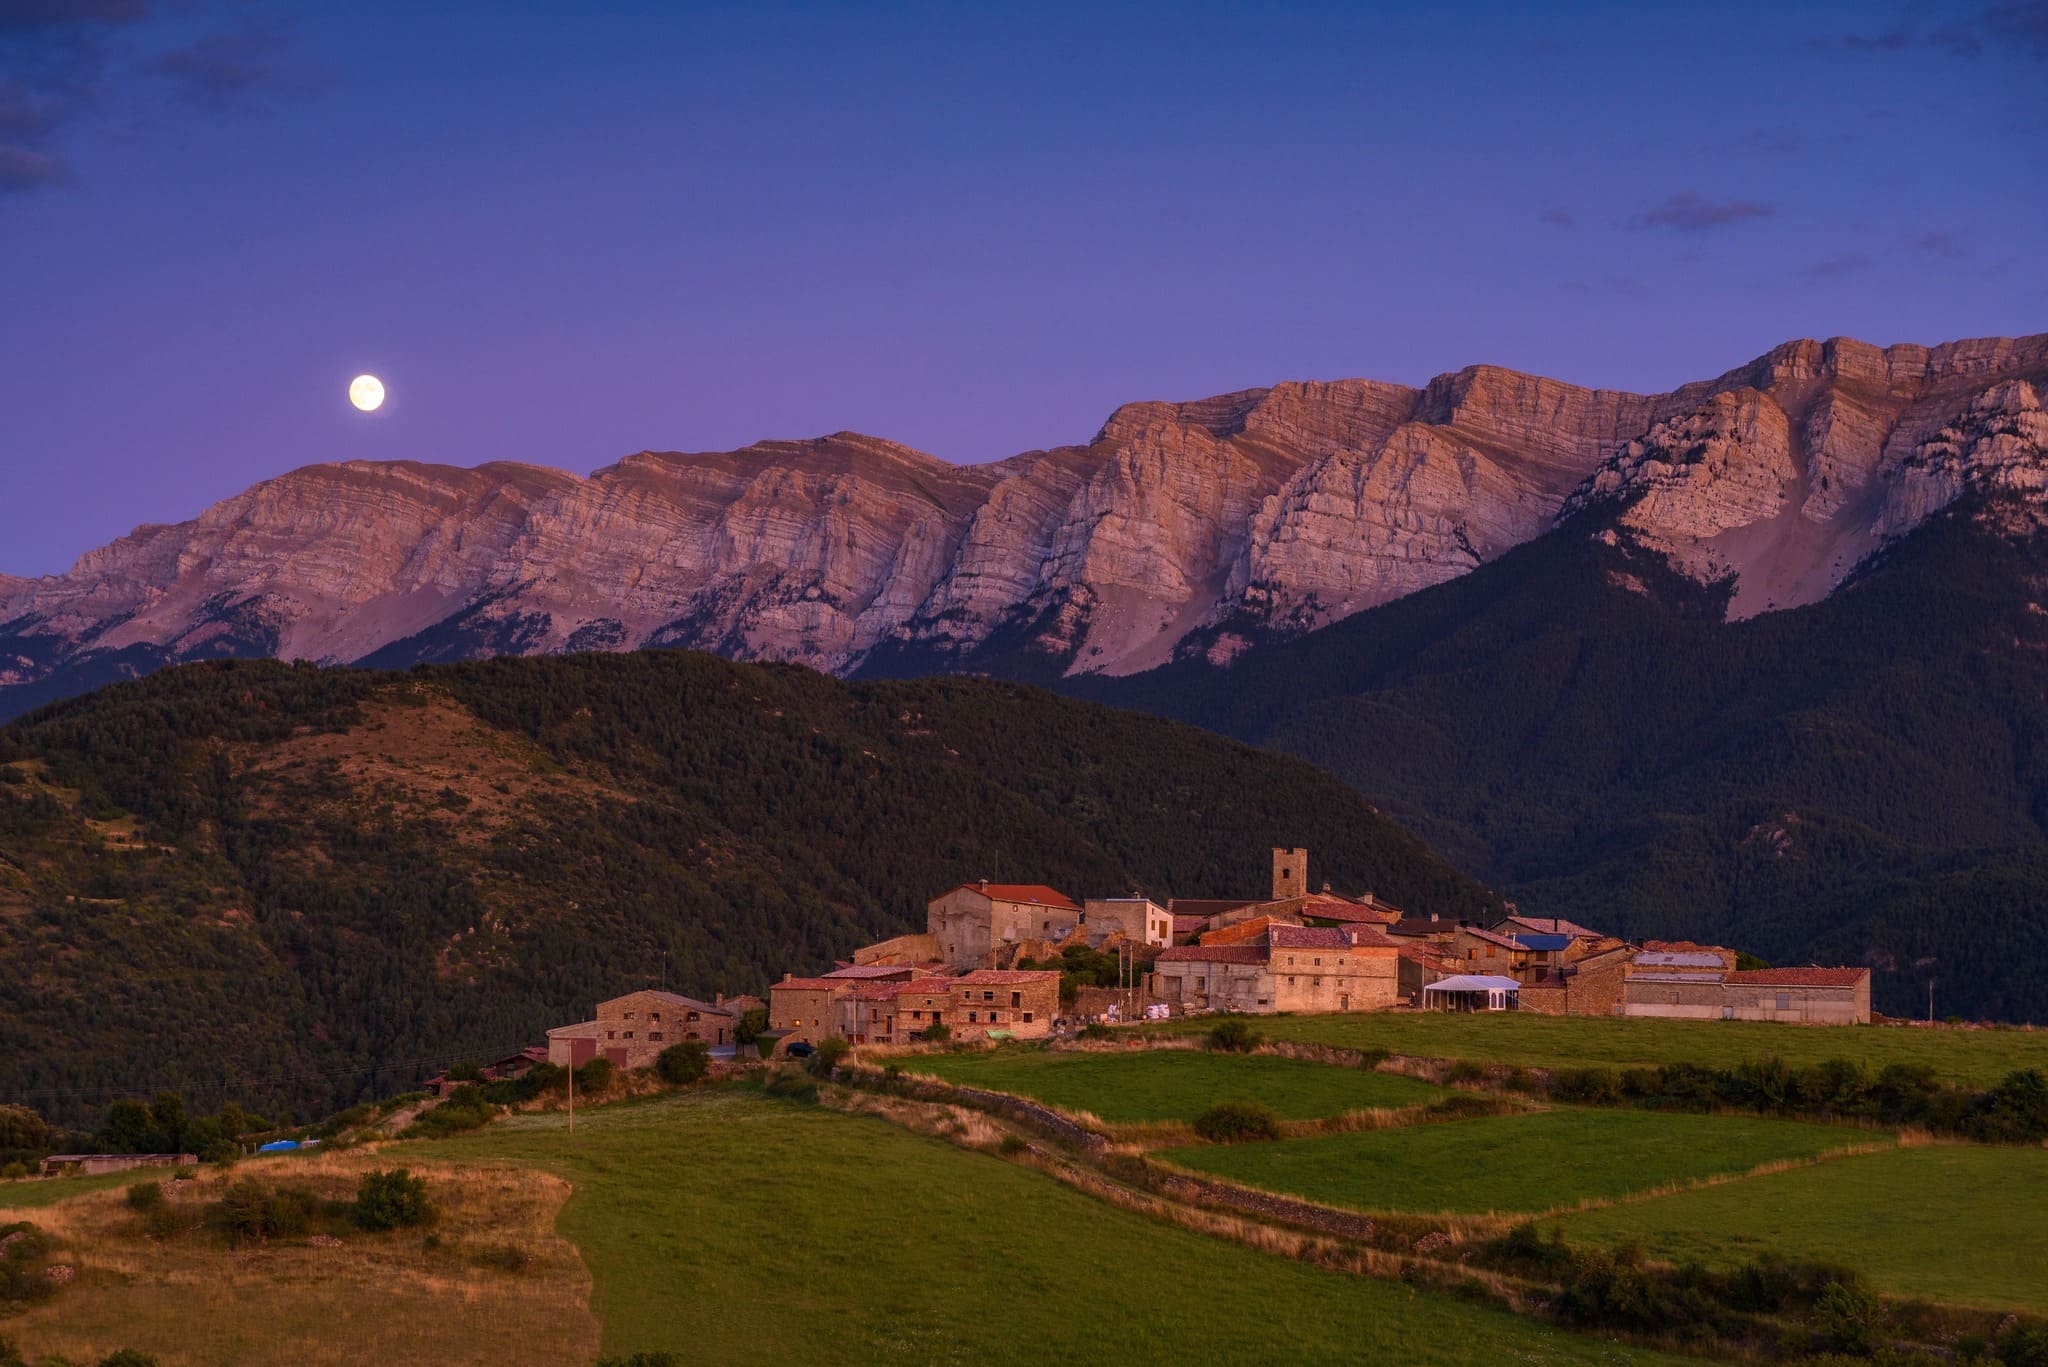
[1546,925]
[1209,906]
[871,971]
[1492,938]
[1184,924]
[1423,925]
[1003,977]
[874,992]
[1320,909]
[1309,937]
[1213,954]
[1798,977]
[1244,932]
[1022,892]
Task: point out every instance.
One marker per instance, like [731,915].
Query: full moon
[366,392]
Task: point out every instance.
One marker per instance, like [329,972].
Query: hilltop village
[990,965]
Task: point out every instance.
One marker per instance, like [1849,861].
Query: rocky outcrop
[1180,526]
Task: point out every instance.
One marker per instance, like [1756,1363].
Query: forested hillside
[297,886]
[1863,780]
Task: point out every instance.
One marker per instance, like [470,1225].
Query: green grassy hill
[1864,780]
[299,887]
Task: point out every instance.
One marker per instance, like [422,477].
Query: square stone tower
[1290,873]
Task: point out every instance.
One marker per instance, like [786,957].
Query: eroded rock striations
[1193,527]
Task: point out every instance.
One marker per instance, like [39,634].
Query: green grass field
[1535,1162]
[1177,1084]
[723,1224]
[1979,1057]
[1949,1222]
[31,1194]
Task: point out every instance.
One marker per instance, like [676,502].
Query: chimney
[787,976]
[718,1000]
[983,885]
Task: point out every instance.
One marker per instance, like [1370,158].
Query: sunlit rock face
[1180,528]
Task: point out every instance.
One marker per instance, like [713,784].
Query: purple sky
[561,239]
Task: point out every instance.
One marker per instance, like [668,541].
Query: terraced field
[1951,1222]
[1976,1057]
[1176,1084]
[1533,1162]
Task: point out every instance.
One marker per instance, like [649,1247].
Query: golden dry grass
[375,1298]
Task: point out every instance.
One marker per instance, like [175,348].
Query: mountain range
[1179,529]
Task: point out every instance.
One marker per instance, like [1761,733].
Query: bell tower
[1290,873]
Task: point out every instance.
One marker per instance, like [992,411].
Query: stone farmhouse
[987,1003]
[632,1030]
[1281,967]
[972,921]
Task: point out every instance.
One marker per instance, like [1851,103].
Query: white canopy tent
[1472,992]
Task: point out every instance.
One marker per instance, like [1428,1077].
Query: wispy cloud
[1946,245]
[1840,266]
[60,60]
[1558,218]
[228,71]
[1691,212]
[2018,27]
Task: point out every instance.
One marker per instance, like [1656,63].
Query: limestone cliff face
[1201,526]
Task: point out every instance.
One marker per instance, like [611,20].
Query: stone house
[1593,985]
[971,921]
[1419,929]
[993,1003]
[805,1009]
[632,1030]
[1485,951]
[1138,919]
[1813,996]
[917,948]
[1214,978]
[1327,968]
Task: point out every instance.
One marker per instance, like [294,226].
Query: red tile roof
[1022,892]
[1003,977]
[1320,909]
[1213,954]
[871,971]
[1798,977]
[874,992]
[922,987]
[1186,924]
[812,984]
[1243,932]
[1309,937]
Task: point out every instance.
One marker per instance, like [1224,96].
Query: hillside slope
[1863,779]
[1207,527]
[297,886]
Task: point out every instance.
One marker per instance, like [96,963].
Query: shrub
[938,1032]
[1233,1036]
[683,1063]
[831,1053]
[127,1357]
[790,1085]
[1097,1030]
[468,1070]
[22,1128]
[1846,1313]
[643,1360]
[595,1076]
[1596,1086]
[392,1200]
[2024,1345]
[22,1276]
[241,1209]
[1466,1070]
[165,1221]
[1012,1145]
[752,1022]
[13,1172]
[10,1356]
[145,1195]
[1233,1122]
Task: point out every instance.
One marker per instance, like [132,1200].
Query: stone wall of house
[806,1013]
[1358,979]
[1203,984]
[1744,1001]
[1135,918]
[1595,990]
[921,947]
[1025,1010]
[633,1030]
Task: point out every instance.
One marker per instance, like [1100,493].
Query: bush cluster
[2015,1111]
[22,1265]
[790,1085]
[465,1108]
[392,1200]
[1233,1122]
[1615,1289]
[684,1063]
[1233,1036]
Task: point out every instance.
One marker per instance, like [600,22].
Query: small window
[1027,1018]
[611,1034]
[654,1015]
[656,1037]
[1319,963]
[1317,983]
[1290,980]
[988,996]
[1784,1001]
[629,1015]
[629,1034]
[974,1015]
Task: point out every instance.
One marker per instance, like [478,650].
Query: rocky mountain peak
[1202,526]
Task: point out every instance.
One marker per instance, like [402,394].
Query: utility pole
[572,1091]
[1930,1001]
